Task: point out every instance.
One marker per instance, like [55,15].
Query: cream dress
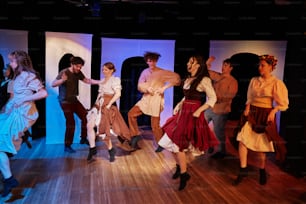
[265,94]
[15,119]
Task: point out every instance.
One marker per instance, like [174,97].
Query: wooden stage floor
[49,175]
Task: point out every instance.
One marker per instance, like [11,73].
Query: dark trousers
[69,109]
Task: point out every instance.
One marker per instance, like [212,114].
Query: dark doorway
[130,72]
[245,67]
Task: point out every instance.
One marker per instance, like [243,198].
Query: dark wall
[192,24]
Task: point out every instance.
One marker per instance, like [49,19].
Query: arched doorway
[130,72]
[245,67]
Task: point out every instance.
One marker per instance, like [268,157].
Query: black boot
[242,173]
[25,138]
[121,140]
[159,149]
[9,183]
[134,141]
[183,182]
[92,151]
[177,172]
[262,176]
[112,153]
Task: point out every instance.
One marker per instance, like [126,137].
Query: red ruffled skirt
[184,129]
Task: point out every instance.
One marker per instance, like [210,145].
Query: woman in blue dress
[19,113]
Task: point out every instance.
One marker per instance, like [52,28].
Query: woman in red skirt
[188,127]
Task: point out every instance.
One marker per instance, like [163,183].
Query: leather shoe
[218,155]
[69,149]
[84,141]
[159,149]
[125,146]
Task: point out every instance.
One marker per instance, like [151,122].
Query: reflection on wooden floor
[49,175]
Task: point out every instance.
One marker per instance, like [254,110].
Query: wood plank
[47,174]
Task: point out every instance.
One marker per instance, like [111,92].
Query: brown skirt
[112,119]
[258,119]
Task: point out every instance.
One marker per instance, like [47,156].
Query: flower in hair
[270,59]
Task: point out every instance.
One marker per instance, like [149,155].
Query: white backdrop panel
[58,44]
[117,50]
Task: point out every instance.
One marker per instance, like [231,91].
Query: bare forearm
[57,82]
[91,81]
[42,93]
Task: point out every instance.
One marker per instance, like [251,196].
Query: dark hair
[65,61]
[228,61]
[11,75]
[110,66]
[151,55]
[201,73]
[2,66]
[77,60]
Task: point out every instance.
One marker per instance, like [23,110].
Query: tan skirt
[112,122]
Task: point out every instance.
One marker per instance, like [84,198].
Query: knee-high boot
[242,173]
[262,176]
[183,182]
[92,152]
[112,153]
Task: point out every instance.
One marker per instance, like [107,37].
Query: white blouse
[111,86]
[262,93]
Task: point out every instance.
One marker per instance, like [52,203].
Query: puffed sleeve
[116,84]
[249,91]
[280,95]
[34,83]
[207,87]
